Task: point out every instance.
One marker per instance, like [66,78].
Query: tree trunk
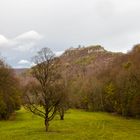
[61,114]
[46,124]
[62,117]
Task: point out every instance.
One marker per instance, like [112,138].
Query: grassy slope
[78,125]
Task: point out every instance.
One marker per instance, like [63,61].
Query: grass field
[78,125]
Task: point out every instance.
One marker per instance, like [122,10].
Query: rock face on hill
[91,58]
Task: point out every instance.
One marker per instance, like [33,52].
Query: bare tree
[41,96]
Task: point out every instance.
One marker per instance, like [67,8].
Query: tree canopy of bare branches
[42,96]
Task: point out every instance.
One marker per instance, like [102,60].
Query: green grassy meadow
[78,125]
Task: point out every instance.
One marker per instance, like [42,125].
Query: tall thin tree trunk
[46,124]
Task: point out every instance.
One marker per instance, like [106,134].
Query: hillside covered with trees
[95,79]
[98,80]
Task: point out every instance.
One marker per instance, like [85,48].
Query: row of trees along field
[113,88]
[9,91]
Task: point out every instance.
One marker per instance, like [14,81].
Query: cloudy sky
[28,25]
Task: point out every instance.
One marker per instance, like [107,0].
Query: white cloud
[58,53]
[20,49]
[29,36]
[23,42]
[3,40]
[23,62]
[26,41]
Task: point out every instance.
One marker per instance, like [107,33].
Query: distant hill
[19,71]
[91,58]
